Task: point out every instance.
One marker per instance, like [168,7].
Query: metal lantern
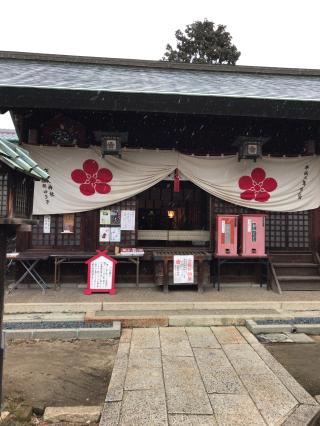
[111,142]
[250,147]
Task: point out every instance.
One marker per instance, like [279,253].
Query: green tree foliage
[203,43]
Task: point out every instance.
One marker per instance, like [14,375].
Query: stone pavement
[201,376]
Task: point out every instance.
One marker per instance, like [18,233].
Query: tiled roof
[158,78]
[9,134]
[18,158]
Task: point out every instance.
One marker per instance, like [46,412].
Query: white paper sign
[128,220]
[101,274]
[183,270]
[223,227]
[249,225]
[115,234]
[46,224]
[104,234]
[105,217]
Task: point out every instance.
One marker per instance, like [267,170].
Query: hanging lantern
[250,147]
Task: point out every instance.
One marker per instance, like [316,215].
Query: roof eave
[142,63]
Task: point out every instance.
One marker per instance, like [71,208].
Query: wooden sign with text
[101,274]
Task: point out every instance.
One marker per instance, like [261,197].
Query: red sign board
[101,274]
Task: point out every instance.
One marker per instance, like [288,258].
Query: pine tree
[203,43]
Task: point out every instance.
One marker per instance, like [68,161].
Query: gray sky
[282,33]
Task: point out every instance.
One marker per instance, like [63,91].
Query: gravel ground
[57,373]
[301,360]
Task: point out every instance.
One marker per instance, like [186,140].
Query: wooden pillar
[3,253]
[315,229]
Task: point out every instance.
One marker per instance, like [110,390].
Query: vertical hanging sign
[101,274]
[46,224]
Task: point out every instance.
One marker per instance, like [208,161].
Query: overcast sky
[281,33]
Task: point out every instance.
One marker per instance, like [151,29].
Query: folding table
[29,262]
[61,257]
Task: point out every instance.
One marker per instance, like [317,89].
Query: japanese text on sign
[101,274]
[183,269]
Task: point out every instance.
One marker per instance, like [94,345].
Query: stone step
[146,319]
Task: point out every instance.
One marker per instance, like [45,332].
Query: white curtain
[81,180]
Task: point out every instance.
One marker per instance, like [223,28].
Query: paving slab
[143,408]
[271,397]
[123,348]
[290,383]
[143,378]
[228,335]
[126,335]
[172,376]
[202,337]
[145,338]
[116,384]
[217,372]
[302,415]
[249,337]
[145,358]
[175,342]
[191,420]
[185,391]
[245,360]
[232,410]
[110,414]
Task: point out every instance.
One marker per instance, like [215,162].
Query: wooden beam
[91,100]
[273,271]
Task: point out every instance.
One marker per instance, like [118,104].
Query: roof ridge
[146,63]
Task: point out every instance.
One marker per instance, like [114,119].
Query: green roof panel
[19,159]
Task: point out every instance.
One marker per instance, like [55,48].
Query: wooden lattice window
[299,230]
[23,196]
[56,238]
[3,194]
[39,238]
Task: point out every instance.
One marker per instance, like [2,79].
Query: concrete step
[182,318]
[47,308]
[34,330]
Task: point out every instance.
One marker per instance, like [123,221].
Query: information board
[101,274]
[128,220]
[183,269]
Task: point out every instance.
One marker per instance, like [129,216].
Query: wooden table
[80,256]
[166,255]
[29,261]
[220,260]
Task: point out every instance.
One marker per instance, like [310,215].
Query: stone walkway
[201,376]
